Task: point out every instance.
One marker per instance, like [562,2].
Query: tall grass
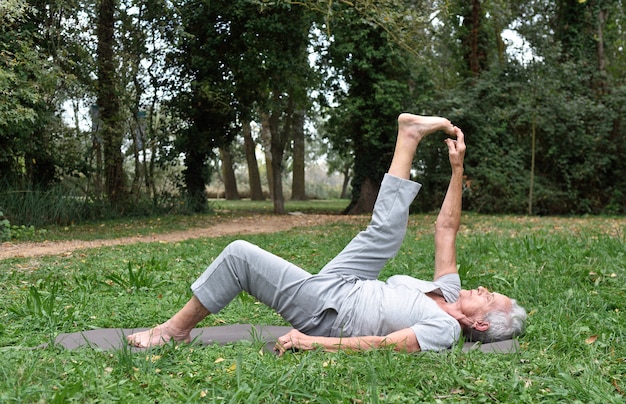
[39,208]
[568,272]
[65,205]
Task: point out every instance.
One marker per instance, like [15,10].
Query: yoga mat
[114,338]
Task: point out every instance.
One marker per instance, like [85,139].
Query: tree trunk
[96,146]
[346,181]
[256,191]
[38,163]
[149,165]
[602,82]
[138,148]
[195,180]
[298,191]
[108,104]
[277,152]
[230,181]
[474,49]
[266,139]
[365,201]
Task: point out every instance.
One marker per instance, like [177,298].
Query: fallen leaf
[591,339]
[620,391]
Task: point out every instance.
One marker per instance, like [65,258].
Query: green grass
[330,206]
[140,226]
[568,272]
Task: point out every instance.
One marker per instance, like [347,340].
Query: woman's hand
[295,339]
[456,149]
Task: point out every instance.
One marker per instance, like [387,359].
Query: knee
[238,246]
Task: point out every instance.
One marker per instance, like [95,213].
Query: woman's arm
[449,218]
[403,340]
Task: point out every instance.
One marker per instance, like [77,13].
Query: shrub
[5,228]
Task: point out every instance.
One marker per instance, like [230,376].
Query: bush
[5,228]
[16,232]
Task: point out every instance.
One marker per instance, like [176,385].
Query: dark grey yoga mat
[114,338]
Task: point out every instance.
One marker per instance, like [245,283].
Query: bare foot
[157,336]
[416,126]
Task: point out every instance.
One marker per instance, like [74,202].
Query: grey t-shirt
[374,307]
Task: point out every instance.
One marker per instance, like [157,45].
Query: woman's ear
[480,325]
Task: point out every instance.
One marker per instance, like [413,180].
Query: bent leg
[294,293]
[177,328]
[300,298]
[243,266]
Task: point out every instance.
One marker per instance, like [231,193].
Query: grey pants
[310,302]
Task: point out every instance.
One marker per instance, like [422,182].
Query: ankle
[174,330]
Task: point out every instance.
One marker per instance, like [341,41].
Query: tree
[573,120]
[17,112]
[177,82]
[108,103]
[254,178]
[228,174]
[284,39]
[473,36]
[298,190]
[147,32]
[378,78]
[203,55]
[28,103]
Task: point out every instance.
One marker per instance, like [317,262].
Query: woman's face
[476,303]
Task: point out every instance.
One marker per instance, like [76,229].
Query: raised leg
[411,130]
[367,253]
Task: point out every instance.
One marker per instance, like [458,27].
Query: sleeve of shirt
[450,286]
[437,333]
[440,331]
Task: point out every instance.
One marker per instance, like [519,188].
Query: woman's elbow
[405,341]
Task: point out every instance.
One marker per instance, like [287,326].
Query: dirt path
[246,225]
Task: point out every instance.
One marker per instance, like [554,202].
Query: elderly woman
[345,306]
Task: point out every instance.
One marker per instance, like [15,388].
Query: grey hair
[502,325]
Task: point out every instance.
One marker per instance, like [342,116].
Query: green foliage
[242,60]
[17,232]
[60,205]
[197,70]
[141,279]
[577,142]
[13,10]
[26,106]
[39,304]
[5,228]
[39,207]
[376,75]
